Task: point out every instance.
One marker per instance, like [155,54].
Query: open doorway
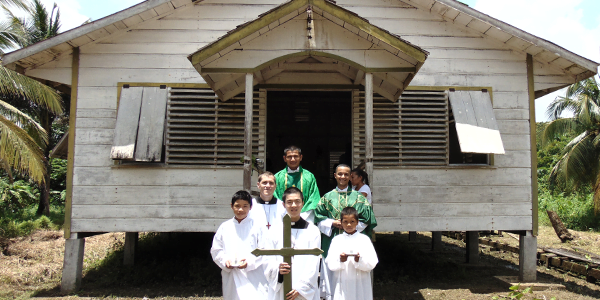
[320,123]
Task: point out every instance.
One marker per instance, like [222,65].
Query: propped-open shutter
[410,132]
[476,125]
[140,124]
[202,130]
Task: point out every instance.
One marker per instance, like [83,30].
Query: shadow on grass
[180,265]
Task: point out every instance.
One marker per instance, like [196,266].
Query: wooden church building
[172,100]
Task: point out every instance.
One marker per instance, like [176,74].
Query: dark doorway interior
[319,123]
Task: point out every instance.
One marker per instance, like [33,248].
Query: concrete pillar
[73,264]
[131,239]
[412,236]
[436,240]
[472,247]
[527,257]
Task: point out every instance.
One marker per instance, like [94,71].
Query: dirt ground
[178,266]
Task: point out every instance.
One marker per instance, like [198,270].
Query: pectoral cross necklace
[268,215]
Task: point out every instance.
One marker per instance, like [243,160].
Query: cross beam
[287,252]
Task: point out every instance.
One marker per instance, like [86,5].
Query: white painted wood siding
[157,198]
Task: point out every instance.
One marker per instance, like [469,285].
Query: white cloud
[558,21]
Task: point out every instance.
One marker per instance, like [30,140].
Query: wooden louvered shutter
[410,132]
[424,128]
[202,130]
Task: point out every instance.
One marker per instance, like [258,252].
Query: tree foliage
[21,137]
[579,163]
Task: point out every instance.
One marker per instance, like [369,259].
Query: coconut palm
[20,135]
[37,25]
[580,162]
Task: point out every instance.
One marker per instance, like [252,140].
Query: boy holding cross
[305,235]
[242,273]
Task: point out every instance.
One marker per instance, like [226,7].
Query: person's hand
[243,264]
[284,268]
[337,224]
[343,257]
[292,295]
[357,257]
[228,265]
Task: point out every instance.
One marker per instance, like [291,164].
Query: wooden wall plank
[466,177]
[200,194]
[405,194]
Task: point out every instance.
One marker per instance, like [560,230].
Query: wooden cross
[287,252]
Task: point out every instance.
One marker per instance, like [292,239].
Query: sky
[572,24]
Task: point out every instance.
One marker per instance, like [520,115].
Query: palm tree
[23,141]
[580,162]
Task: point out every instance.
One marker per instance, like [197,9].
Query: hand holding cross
[287,252]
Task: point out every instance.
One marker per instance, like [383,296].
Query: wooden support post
[436,240]
[72,264]
[532,139]
[71,144]
[412,236]
[369,126]
[248,133]
[472,247]
[527,257]
[131,240]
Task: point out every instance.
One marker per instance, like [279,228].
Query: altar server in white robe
[267,210]
[351,258]
[305,268]
[242,272]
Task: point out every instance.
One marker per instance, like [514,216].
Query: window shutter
[202,130]
[140,124]
[424,128]
[476,125]
[410,132]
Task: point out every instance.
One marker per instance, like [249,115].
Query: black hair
[292,148]
[343,166]
[241,195]
[349,211]
[292,190]
[360,172]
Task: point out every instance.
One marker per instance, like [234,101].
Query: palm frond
[560,105]
[20,151]
[578,165]
[557,128]
[17,84]
[18,3]
[33,128]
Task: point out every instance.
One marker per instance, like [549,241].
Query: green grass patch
[576,210]
[24,221]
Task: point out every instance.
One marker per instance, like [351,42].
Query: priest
[295,176]
[328,214]
[305,268]
[266,209]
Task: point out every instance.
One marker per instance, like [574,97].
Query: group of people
[340,223]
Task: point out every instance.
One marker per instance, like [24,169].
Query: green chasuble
[308,186]
[331,206]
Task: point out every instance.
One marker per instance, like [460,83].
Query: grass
[576,210]
[25,221]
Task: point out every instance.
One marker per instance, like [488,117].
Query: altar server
[267,210]
[305,268]
[242,273]
[351,258]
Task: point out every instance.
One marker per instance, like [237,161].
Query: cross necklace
[268,214]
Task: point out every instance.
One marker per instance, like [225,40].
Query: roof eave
[72,34]
[560,51]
